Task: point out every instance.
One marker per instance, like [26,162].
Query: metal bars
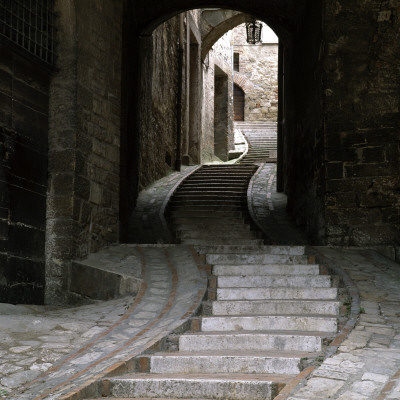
[29,24]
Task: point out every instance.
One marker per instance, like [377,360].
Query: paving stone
[322,387]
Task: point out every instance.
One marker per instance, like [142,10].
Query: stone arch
[219,22]
[242,81]
[281,17]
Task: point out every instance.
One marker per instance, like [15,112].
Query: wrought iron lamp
[253,31]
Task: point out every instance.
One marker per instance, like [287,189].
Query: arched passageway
[286,21]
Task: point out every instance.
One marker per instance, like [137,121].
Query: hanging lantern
[253,31]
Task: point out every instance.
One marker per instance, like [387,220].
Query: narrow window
[236,62]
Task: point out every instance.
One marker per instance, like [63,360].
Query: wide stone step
[211,191]
[184,213]
[266,269]
[222,240]
[206,201]
[260,341]
[276,293]
[208,220]
[246,362]
[293,250]
[204,233]
[212,225]
[233,185]
[253,281]
[209,208]
[240,259]
[210,195]
[275,307]
[269,322]
[195,386]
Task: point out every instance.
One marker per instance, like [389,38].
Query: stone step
[293,250]
[275,307]
[195,386]
[207,220]
[259,281]
[259,341]
[210,195]
[276,293]
[223,241]
[210,191]
[269,322]
[266,269]
[210,208]
[183,213]
[240,259]
[246,362]
[233,185]
[204,233]
[207,201]
[212,225]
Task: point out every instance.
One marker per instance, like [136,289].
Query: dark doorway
[238,103]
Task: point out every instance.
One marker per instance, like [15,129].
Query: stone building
[99,98]
[256,75]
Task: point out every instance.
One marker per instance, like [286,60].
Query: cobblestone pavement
[367,363]
[47,352]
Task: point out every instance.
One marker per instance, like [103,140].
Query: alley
[90,342]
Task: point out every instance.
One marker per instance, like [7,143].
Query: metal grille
[29,24]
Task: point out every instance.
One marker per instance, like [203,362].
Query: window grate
[29,24]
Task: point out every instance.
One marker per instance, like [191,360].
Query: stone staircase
[262,142]
[210,206]
[268,309]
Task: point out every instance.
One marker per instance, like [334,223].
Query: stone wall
[83,191]
[219,56]
[257,76]
[302,116]
[158,107]
[24,96]
[362,140]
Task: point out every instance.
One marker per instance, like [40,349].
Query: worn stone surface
[49,351]
[367,362]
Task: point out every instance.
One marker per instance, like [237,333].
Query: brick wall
[362,140]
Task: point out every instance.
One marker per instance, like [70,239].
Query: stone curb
[250,199]
[92,387]
[173,317]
